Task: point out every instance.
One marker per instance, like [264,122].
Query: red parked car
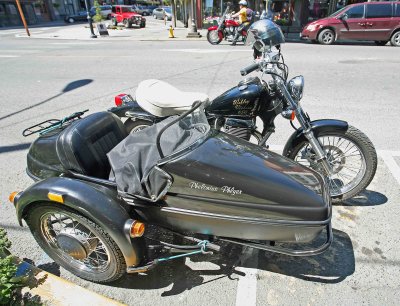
[125,14]
[376,21]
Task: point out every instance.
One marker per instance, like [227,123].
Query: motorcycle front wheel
[76,243]
[214,37]
[352,158]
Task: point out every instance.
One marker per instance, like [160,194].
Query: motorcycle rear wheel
[213,37]
[133,126]
[352,157]
[76,243]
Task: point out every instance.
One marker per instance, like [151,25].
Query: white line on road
[391,164]
[246,294]
[6,56]
[203,50]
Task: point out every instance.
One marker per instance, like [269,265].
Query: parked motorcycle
[226,29]
[98,189]
[332,147]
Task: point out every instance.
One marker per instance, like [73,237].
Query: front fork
[304,121]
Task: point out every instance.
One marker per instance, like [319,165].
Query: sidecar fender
[318,127]
[96,202]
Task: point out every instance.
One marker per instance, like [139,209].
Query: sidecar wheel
[352,157]
[76,243]
[136,126]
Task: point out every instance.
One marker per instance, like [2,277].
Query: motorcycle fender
[98,203]
[318,127]
[121,110]
[213,28]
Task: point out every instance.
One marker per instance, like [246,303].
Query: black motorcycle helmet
[264,34]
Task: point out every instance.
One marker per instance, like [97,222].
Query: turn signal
[55,197]
[12,196]
[137,229]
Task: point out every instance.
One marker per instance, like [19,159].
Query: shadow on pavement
[333,266]
[365,198]
[18,147]
[69,87]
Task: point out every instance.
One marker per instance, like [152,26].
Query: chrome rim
[75,243]
[214,37]
[347,162]
[396,39]
[327,37]
[138,128]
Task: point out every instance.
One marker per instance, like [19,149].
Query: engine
[239,128]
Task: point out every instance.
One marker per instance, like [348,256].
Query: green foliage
[10,284]
[98,17]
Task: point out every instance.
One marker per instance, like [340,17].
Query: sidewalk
[155,30]
[53,290]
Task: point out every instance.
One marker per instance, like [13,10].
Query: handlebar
[249,69]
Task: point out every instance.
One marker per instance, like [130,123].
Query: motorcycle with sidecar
[98,189]
[332,147]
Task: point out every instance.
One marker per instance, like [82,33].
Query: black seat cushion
[84,145]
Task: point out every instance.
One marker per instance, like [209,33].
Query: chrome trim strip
[243,219]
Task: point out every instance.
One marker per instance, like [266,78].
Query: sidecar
[97,188]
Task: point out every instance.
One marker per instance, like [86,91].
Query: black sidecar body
[179,175]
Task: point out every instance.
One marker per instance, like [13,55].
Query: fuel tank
[229,187]
[239,101]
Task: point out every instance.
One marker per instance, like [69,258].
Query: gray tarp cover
[134,157]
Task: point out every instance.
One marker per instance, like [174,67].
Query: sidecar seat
[83,146]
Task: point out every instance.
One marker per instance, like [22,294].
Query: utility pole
[193,29]
[21,13]
[87,4]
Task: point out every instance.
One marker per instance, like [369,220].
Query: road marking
[7,56]
[246,294]
[203,50]
[391,163]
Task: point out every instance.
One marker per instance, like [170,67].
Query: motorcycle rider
[243,20]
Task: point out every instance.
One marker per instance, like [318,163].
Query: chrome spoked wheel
[75,242]
[347,162]
[213,37]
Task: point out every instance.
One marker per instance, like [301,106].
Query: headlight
[295,87]
[312,27]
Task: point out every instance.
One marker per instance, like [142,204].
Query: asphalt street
[354,82]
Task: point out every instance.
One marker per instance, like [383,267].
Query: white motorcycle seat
[162,99]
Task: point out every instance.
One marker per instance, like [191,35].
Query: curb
[54,290]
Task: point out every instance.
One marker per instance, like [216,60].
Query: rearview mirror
[343,17]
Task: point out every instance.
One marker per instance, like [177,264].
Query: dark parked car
[79,16]
[142,10]
[376,21]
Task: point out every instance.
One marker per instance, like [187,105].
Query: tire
[143,25]
[108,16]
[326,37]
[381,42]
[359,142]
[395,39]
[75,225]
[133,126]
[71,20]
[127,23]
[213,37]
[114,22]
